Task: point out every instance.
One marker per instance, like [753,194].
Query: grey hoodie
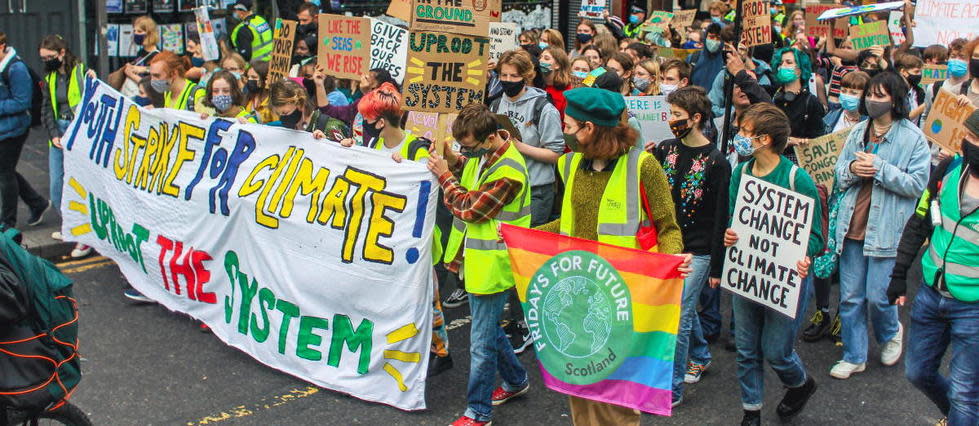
[547,134]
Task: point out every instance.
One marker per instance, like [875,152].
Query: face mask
[222,103]
[712,45]
[786,75]
[974,67]
[571,141]
[299,59]
[305,28]
[546,67]
[197,62]
[666,89]
[641,84]
[849,103]
[914,80]
[138,39]
[633,19]
[876,109]
[160,86]
[579,74]
[475,152]
[971,154]
[142,101]
[743,146]
[871,71]
[512,88]
[371,133]
[290,121]
[542,45]
[52,64]
[777,29]
[715,19]
[584,38]
[526,46]
[680,128]
[251,87]
[957,68]
[772,10]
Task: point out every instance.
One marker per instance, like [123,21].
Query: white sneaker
[892,349]
[842,370]
[81,251]
[56,235]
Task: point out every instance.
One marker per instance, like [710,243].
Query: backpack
[37,94]
[539,104]
[39,340]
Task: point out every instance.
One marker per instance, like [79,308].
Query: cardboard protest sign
[503,38]
[285,34]
[894,26]
[445,72]
[345,45]
[389,48]
[683,18]
[944,123]
[757,23]
[680,54]
[840,12]
[931,73]
[593,9]
[658,21]
[653,114]
[209,43]
[432,126]
[818,157]
[400,9]
[941,21]
[470,17]
[815,27]
[869,35]
[773,225]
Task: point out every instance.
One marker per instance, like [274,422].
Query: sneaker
[834,333]
[501,396]
[519,335]
[843,370]
[819,326]
[751,418]
[438,364]
[56,235]
[37,216]
[795,400]
[676,402]
[694,371]
[135,295]
[892,349]
[456,299]
[468,421]
[80,251]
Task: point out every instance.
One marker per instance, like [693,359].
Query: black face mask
[303,29]
[252,87]
[974,67]
[512,88]
[871,71]
[372,135]
[290,121]
[970,153]
[52,64]
[914,80]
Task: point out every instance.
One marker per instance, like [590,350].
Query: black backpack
[37,94]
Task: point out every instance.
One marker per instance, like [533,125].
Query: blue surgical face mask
[579,74]
[712,45]
[849,103]
[786,75]
[957,68]
[633,19]
[716,19]
[222,103]
[546,67]
[542,45]
[743,146]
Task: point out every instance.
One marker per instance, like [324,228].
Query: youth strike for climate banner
[312,258]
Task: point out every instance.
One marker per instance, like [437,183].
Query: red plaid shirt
[476,206]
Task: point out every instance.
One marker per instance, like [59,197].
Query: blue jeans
[863,288]
[936,323]
[764,334]
[56,169]
[710,313]
[491,352]
[690,338]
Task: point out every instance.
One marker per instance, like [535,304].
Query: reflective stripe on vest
[75,79]
[262,37]
[954,252]
[405,150]
[181,104]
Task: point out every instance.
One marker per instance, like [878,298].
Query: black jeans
[13,184]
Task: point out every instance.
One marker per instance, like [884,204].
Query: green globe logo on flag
[575,303]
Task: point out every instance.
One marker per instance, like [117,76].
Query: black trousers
[12,184]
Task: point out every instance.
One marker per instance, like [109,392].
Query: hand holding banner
[944,123]
[818,157]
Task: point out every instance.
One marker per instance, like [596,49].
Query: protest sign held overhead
[840,12]
[815,27]
[400,9]
[285,34]
[594,9]
[865,36]
[773,225]
[209,43]
[894,26]
[658,21]
[944,123]
[932,73]
[941,21]
[312,258]
[470,17]
[445,72]
[503,38]
[757,23]
[653,114]
[818,157]
[389,48]
[683,18]
[345,45]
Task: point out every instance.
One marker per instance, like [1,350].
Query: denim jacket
[902,163]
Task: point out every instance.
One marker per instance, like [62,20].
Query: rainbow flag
[604,318]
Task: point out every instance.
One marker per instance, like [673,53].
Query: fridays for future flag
[604,318]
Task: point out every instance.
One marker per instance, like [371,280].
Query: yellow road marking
[264,404]
[92,259]
[87,267]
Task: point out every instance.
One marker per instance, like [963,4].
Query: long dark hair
[57,43]
[237,97]
[888,83]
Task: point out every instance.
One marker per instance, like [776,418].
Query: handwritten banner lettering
[503,38]
[209,43]
[653,114]
[445,71]
[933,73]
[818,157]
[345,45]
[871,34]
[944,123]
[285,34]
[389,48]
[593,9]
[757,23]
[469,17]
[683,18]
[941,21]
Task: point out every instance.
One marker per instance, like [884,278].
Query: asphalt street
[146,365]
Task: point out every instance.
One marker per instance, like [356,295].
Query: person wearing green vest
[945,311]
[606,162]
[65,79]
[167,77]
[486,186]
[637,16]
[252,38]
[225,98]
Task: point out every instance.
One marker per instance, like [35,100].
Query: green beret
[600,106]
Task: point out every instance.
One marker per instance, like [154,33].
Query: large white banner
[941,21]
[312,258]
